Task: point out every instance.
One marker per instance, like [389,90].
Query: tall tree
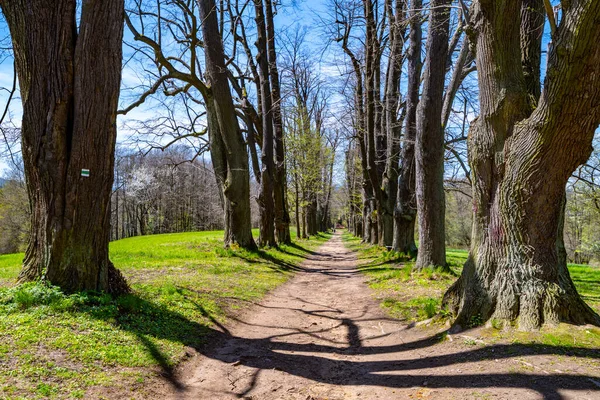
[371,127]
[265,198]
[522,153]
[227,146]
[429,146]
[69,84]
[282,216]
[393,121]
[345,18]
[406,208]
[173,76]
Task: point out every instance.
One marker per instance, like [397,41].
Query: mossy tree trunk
[522,153]
[69,78]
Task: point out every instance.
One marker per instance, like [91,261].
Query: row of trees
[253,76]
[223,64]
[162,192]
[398,127]
[225,88]
[526,142]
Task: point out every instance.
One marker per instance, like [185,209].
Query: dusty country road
[323,336]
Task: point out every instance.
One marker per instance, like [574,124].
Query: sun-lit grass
[410,295]
[10,264]
[64,346]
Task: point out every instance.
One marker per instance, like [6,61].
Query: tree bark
[69,88]
[532,31]
[429,147]
[406,207]
[265,199]
[227,147]
[521,157]
[282,216]
[370,120]
[393,123]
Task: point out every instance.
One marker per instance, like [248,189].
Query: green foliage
[32,294]
[475,321]
[14,216]
[497,324]
[430,307]
[459,217]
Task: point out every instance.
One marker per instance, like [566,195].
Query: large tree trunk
[521,158]
[69,88]
[429,147]
[282,216]
[406,207]
[227,147]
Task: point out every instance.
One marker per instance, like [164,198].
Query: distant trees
[69,84]
[310,141]
[522,150]
[14,216]
[163,192]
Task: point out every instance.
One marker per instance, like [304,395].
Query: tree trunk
[389,182]
[521,157]
[298,226]
[406,208]
[370,116]
[227,147]
[429,147]
[265,199]
[282,216]
[70,88]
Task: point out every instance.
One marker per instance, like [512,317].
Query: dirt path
[323,336]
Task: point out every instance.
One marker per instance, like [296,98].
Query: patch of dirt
[322,336]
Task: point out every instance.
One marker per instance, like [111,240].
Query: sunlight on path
[323,336]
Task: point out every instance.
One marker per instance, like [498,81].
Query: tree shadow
[292,358]
[260,256]
[150,320]
[296,246]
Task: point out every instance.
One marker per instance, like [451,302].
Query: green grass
[68,346]
[412,296]
[10,264]
[403,293]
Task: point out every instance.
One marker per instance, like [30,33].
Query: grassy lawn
[416,296]
[72,346]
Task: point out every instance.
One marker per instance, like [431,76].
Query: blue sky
[298,13]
